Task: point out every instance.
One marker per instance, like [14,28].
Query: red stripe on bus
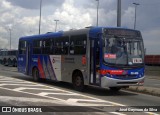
[41,71]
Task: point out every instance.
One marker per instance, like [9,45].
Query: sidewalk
[147,89]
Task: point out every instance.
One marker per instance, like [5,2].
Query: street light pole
[97,10]
[56,25]
[40,16]
[119,13]
[10,35]
[136,4]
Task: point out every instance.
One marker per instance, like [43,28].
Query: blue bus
[107,57]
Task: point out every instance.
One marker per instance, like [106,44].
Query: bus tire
[35,74]
[9,62]
[14,62]
[78,82]
[115,89]
[5,62]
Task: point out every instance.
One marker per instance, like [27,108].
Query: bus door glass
[22,57]
[95,62]
[28,58]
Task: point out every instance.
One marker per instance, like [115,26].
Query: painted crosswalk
[55,94]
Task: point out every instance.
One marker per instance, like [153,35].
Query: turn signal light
[103,72]
[112,72]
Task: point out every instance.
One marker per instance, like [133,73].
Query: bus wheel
[35,74]
[115,89]
[9,62]
[14,63]
[78,82]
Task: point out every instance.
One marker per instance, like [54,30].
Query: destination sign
[122,32]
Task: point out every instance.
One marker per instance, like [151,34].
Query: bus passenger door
[94,62]
[27,58]
[23,57]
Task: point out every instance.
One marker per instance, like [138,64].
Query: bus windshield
[123,51]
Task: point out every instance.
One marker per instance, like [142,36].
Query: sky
[21,18]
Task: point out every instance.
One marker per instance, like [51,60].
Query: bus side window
[71,51]
[37,45]
[78,45]
[47,46]
[22,47]
[52,46]
[61,45]
[65,47]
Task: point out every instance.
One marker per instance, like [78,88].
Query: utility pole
[118,13]
[40,16]
[97,10]
[136,4]
[56,25]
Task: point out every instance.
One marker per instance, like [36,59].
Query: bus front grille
[127,82]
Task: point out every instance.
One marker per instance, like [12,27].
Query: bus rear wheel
[35,74]
[115,89]
[78,82]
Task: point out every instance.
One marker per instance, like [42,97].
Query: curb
[145,90]
[154,78]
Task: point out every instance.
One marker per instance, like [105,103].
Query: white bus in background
[8,57]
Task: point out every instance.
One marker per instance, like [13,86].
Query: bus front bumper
[111,82]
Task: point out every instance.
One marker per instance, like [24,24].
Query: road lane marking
[3,84]
[117,113]
[4,77]
[88,102]
[49,93]
[85,100]
[26,99]
[6,80]
[21,82]
[34,94]
[150,113]
[25,88]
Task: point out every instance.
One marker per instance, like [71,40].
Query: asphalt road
[19,90]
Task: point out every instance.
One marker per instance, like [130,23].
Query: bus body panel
[119,77]
[71,64]
[56,64]
[22,64]
[57,67]
[47,68]
[111,82]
